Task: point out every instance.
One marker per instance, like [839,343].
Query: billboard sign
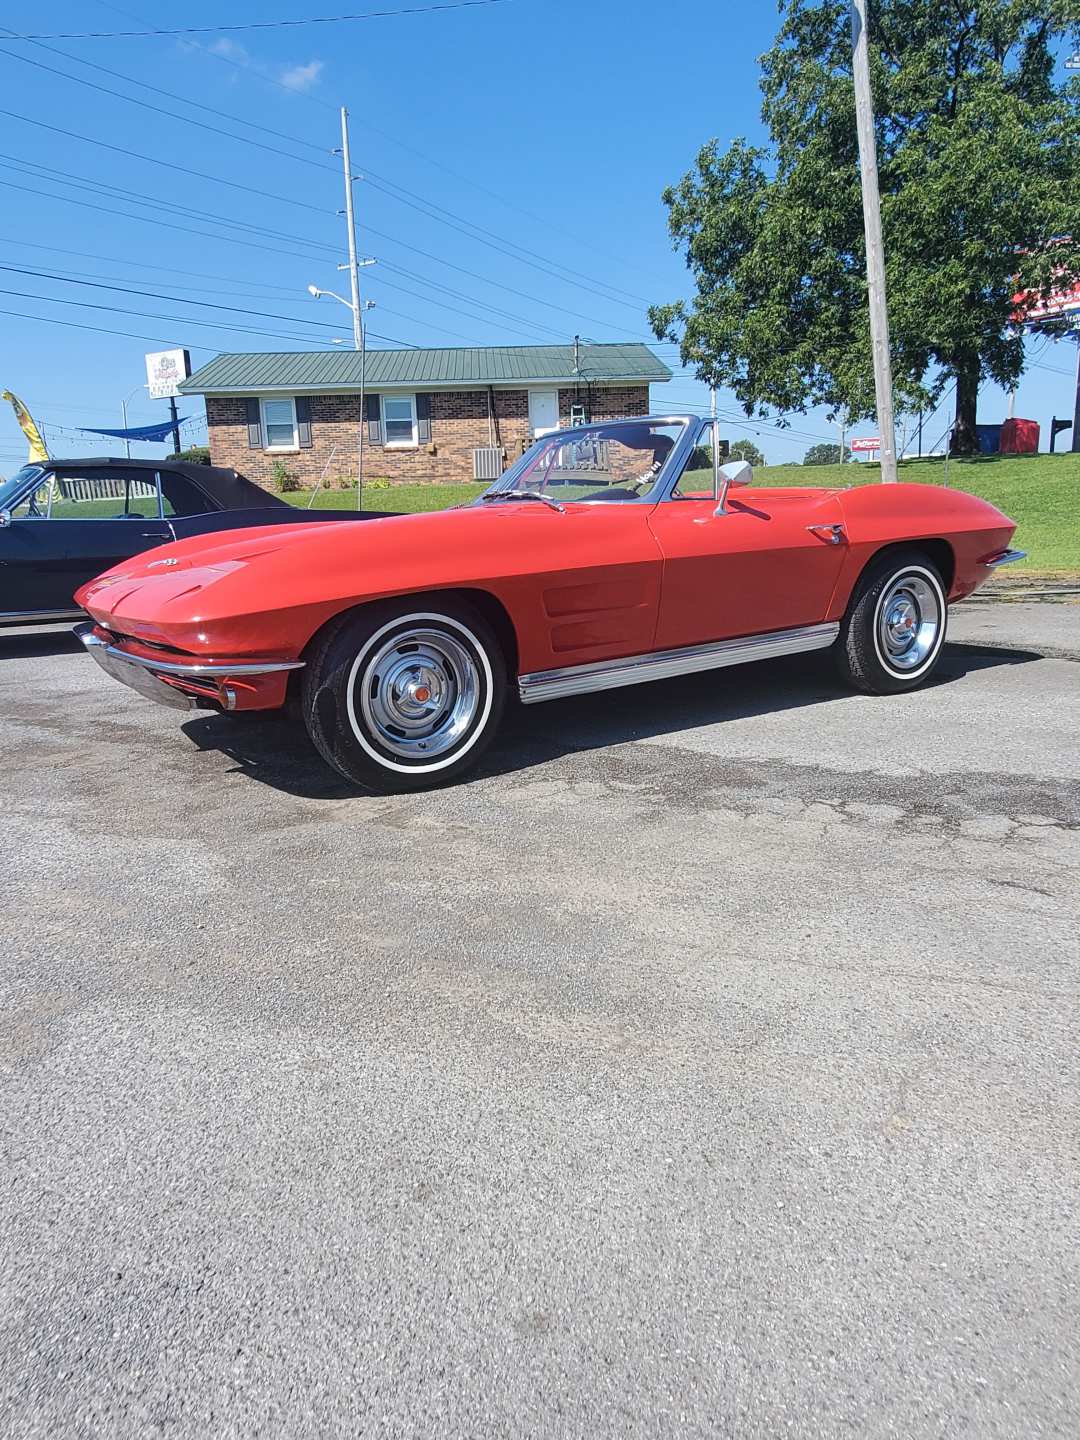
[164,371]
[1031,308]
[865,445]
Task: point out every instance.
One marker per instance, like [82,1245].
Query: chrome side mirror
[738,473]
[5,519]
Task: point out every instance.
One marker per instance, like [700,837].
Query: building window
[399,421]
[279,425]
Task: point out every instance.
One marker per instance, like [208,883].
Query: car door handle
[831,534]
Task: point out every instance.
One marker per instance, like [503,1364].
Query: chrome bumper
[143,674]
[1007,557]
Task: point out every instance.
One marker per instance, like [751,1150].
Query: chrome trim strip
[1007,557]
[664,664]
[37,617]
[194,668]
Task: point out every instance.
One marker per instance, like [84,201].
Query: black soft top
[227,488]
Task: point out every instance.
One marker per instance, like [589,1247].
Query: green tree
[825,454]
[747,450]
[978,153]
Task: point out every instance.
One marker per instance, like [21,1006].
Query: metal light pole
[123,412]
[875,252]
[361,345]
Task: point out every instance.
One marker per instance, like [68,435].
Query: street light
[124,412]
[360,343]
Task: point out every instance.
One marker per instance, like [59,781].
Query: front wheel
[892,634]
[403,695]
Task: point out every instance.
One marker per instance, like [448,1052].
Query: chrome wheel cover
[909,620]
[419,693]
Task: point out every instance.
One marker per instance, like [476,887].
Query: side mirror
[5,519]
[736,472]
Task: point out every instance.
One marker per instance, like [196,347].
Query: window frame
[264,424]
[414,442]
[129,476]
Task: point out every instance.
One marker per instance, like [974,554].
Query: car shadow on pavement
[26,644]
[276,751]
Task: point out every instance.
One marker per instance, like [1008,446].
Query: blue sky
[515,156]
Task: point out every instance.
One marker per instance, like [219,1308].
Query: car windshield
[10,488]
[613,460]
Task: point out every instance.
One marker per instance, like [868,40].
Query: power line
[186,320]
[260,74]
[154,203]
[97,281]
[263,24]
[497,243]
[131,197]
[172,165]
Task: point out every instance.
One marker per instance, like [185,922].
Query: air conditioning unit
[487,463]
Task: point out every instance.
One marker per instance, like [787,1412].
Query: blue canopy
[140,432]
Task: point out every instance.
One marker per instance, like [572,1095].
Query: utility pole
[875,252]
[1076,403]
[354,272]
[175,425]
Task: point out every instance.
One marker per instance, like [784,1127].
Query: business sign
[164,371]
[865,444]
[1032,308]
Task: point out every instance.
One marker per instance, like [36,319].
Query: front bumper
[190,684]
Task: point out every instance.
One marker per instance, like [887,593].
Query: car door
[769,563]
[97,516]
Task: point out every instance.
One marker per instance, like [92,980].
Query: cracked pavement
[706,1066]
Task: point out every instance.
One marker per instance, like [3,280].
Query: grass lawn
[402,499]
[1040,492]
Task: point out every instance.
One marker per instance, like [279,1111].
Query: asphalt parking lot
[708,1066]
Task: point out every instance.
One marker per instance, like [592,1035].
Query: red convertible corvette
[607,555]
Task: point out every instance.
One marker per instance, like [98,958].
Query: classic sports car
[63,522]
[606,555]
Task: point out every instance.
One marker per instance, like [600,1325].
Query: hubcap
[909,622]
[419,693]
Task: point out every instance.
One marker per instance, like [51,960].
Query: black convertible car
[64,522]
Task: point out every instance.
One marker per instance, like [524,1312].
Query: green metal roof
[491,365]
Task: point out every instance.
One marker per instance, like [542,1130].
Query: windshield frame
[665,478]
[27,477]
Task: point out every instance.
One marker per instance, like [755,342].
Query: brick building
[428,415]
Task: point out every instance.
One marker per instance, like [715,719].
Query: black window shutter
[423,419]
[373,417]
[303,421]
[254,425]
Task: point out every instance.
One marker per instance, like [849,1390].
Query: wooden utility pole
[875,251]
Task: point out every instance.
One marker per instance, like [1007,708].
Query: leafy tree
[747,450]
[196,454]
[825,454]
[978,153]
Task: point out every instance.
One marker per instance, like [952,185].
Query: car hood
[250,591]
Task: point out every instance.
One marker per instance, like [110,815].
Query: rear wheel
[891,637]
[403,695]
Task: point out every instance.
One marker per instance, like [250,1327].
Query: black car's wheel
[891,637]
[405,694]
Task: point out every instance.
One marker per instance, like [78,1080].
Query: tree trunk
[965,440]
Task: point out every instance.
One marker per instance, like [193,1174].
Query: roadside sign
[164,371]
[866,444]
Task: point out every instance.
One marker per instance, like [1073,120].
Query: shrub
[285,479]
[196,455]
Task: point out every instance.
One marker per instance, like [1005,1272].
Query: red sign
[1031,308]
[868,442]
